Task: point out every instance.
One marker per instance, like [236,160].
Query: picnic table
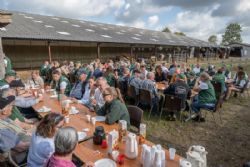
[87,151]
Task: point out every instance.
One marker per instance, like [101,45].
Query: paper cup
[66,120]
[35,94]
[93,120]
[73,108]
[88,118]
[172,153]
[40,95]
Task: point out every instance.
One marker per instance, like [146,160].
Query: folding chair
[145,97]
[131,93]
[217,108]
[173,104]
[136,115]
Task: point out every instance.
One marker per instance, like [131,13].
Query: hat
[10,73]
[16,83]
[81,71]
[6,101]
[181,76]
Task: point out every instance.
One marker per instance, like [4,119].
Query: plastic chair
[136,115]
[172,104]
[145,97]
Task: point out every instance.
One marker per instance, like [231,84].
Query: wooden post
[98,50]
[50,59]
[131,53]
[2,65]
[155,51]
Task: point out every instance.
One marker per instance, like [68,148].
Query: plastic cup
[73,108]
[172,153]
[42,91]
[35,94]
[88,118]
[93,120]
[66,120]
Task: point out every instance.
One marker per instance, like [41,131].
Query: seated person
[144,71]
[220,78]
[159,74]
[206,96]
[8,78]
[238,85]
[60,83]
[42,142]
[149,84]
[191,79]
[226,71]
[78,88]
[110,77]
[13,137]
[98,100]
[89,92]
[180,89]
[197,69]
[123,81]
[136,81]
[114,108]
[44,69]
[35,80]
[98,71]
[236,76]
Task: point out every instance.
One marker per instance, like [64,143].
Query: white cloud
[138,24]
[198,25]
[153,20]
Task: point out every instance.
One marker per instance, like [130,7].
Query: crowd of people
[102,88]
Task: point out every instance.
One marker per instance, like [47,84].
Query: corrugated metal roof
[33,26]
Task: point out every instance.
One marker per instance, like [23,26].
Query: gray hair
[150,74]
[66,140]
[102,79]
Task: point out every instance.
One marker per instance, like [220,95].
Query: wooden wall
[28,57]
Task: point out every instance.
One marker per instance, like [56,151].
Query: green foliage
[232,34]
[179,33]
[213,39]
[166,29]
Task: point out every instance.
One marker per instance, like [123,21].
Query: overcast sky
[196,18]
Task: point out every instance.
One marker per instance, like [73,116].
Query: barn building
[31,38]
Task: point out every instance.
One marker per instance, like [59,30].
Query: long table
[87,151]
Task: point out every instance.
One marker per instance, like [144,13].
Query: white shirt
[196,70]
[164,69]
[98,97]
[86,96]
[203,85]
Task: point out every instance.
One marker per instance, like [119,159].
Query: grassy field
[227,143]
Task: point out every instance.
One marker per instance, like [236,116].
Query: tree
[213,39]
[179,33]
[232,34]
[166,29]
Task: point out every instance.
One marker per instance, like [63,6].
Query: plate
[44,109]
[81,135]
[74,111]
[53,96]
[105,163]
[67,101]
[100,118]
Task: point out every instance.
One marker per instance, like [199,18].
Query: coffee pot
[196,155]
[131,150]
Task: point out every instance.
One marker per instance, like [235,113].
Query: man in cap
[78,88]
[206,96]
[60,83]
[12,135]
[191,79]
[8,78]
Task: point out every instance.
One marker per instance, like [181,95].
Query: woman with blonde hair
[114,108]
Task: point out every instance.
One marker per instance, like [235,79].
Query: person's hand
[74,100]
[93,102]
[40,98]
[90,164]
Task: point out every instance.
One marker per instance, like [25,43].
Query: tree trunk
[2,66]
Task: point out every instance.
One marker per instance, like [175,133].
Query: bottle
[142,133]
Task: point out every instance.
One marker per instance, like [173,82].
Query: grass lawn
[227,143]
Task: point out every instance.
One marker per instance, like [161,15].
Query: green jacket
[15,114]
[208,95]
[220,78]
[110,79]
[56,85]
[4,84]
[9,66]
[114,111]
